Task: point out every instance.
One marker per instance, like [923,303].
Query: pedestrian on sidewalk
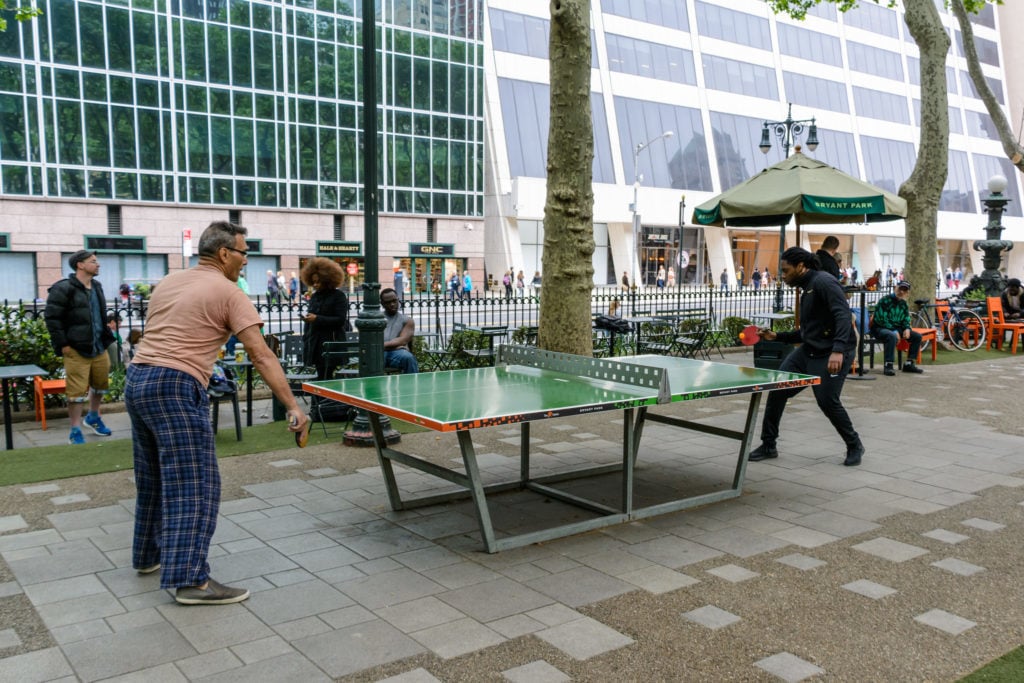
[827,351]
[191,315]
[76,320]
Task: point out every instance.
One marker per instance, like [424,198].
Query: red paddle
[903,345]
[749,335]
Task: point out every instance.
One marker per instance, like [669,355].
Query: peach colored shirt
[191,314]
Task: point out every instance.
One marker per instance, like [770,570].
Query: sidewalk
[905,568]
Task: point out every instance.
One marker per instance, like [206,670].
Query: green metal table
[529,384]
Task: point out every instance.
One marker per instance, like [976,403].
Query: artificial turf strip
[1009,667]
[45,463]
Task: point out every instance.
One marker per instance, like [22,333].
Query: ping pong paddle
[302,437]
[903,345]
[749,335]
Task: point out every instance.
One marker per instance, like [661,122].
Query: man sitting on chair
[891,322]
[1013,300]
[397,335]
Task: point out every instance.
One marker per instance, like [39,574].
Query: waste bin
[278,410]
[769,354]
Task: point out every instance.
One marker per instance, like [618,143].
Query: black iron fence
[438,314]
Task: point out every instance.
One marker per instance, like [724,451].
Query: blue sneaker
[96,424]
[76,438]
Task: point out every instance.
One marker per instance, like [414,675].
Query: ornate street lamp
[637,179]
[991,280]
[788,133]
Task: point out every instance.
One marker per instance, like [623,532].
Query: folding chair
[43,387]
[438,356]
[692,344]
[226,390]
[340,358]
[295,371]
[655,337]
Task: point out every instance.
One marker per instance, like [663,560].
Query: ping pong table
[529,384]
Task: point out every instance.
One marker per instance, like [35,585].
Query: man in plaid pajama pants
[191,314]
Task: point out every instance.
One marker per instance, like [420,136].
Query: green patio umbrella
[806,189]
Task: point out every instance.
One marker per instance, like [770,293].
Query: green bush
[787,325]
[733,325]
[25,341]
[115,392]
[524,335]
[691,325]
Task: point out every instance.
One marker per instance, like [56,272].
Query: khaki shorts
[81,373]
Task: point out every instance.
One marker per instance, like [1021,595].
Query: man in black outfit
[827,351]
[827,256]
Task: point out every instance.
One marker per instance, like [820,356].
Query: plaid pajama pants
[176,475]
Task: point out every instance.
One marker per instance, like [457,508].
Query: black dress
[331,309]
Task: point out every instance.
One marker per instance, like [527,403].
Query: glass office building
[712,72]
[141,118]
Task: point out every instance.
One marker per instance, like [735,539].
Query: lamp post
[637,178]
[678,265]
[991,279]
[370,322]
[788,133]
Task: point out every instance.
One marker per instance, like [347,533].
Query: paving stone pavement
[906,568]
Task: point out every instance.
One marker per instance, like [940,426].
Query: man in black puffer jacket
[76,319]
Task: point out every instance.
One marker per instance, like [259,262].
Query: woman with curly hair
[327,314]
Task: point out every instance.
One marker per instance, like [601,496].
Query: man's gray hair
[219,234]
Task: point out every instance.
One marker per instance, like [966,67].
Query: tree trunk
[565,319]
[923,188]
[1012,148]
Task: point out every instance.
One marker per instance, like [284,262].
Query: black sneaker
[853,455]
[911,367]
[148,570]
[889,371]
[763,452]
[213,594]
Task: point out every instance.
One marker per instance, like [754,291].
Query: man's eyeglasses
[243,252]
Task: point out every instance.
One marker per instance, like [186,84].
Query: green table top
[485,397]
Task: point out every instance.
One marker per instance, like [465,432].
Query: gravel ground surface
[806,613]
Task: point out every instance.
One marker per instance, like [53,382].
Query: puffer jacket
[69,317]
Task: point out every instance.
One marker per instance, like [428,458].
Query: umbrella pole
[796,303]
[777,308]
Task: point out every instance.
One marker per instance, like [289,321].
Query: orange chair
[998,327]
[42,388]
[927,334]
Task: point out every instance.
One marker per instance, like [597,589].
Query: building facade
[711,72]
[127,126]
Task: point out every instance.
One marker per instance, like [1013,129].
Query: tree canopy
[923,189]
[21,13]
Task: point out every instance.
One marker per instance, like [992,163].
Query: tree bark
[1012,148]
[923,189]
[565,317]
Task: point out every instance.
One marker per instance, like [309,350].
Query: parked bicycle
[963,327]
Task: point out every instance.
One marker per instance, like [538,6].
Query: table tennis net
[607,369]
